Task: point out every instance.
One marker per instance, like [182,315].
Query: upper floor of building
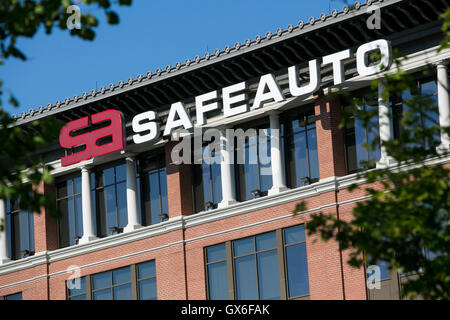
[279,85]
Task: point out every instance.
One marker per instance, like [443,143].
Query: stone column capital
[274,113]
[86,167]
[442,63]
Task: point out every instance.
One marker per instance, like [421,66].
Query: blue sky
[151,35]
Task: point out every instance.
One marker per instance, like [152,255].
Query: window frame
[134,281]
[158,163]
[112,286]
[198,185]
[73,195]
[12,294]
[231,274]
[399,104]
[99,170]
[239,169]
[306,117]
[14,209]
[349,133]
[285,245]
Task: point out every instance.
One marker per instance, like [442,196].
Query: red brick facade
[179,254]
[329,137]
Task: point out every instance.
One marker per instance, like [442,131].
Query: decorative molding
[323,186]
[116,240]
[25,263]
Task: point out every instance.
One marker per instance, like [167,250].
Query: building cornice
[412,63]
[324,20]
[26,263]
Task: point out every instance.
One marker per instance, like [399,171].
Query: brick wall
[179,185]
[330,139]
[325,274]
[45,226]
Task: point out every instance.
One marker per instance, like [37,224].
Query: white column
[444,105]
[132,202]
[3,234]
[384,122]
[86,199]
[225,171]
[278,179]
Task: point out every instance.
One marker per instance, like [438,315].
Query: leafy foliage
[405,222]
[21,169]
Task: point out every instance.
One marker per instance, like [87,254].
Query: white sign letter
[314,80]
[267,80]
[148,125]
[337,59]
[228,111]
[202,108]
[183,121]
[362,57]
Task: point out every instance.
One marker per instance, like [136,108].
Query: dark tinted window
[299,134]
[68,193]
[152,183]
[110,199]
[20,226]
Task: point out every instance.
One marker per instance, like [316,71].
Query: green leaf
[13,101]
[112,17]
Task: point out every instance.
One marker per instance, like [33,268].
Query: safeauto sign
[90,139]
[233,102]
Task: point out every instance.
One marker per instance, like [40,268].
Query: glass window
[20,226]
[112,285]
[68,201]
[296,261]
[384,269]
[301,149]
[207,178]
[216,268]
[111,200]
[153,187]
[127,283]
[77,289]
[359,134]
[255,266]
[147,280]
[427,116]
[254,172]
[15,296]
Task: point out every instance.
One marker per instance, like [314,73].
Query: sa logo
[67,138]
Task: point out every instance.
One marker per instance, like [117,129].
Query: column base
[275,190]
[386,162]
[4,260]
[226,203]
[132,227]
[443,149]
[86,239]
